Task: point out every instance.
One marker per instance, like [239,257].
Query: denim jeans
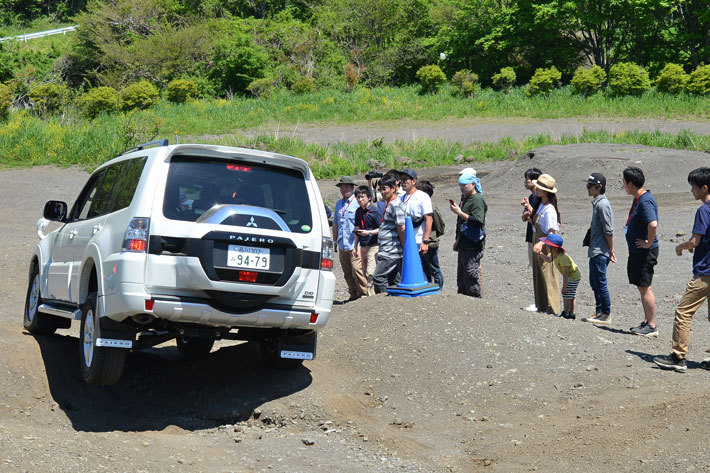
[431,267]
[597,279]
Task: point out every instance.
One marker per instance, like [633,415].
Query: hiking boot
[569,315]
[645,330]
[671,362]
[600,319]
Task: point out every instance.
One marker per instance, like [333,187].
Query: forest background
[135,69]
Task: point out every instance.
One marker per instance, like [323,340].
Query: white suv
[187,242]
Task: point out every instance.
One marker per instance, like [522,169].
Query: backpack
[438,224]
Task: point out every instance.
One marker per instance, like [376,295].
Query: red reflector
[236,167]
[136,245]
[314,317]
[149,304]
[326,263]
[248,276]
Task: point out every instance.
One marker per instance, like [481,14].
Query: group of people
[369,223]
[546,252]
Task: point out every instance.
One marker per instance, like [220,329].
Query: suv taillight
[136,238]
[326,255]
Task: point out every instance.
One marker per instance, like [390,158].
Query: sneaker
[569,315]
[600,319]
[645,330]
[671,362]
[705,364]
[531,308]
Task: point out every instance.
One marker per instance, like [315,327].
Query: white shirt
[417,205]
[548,219]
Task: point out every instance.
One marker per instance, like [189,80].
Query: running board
[53,310]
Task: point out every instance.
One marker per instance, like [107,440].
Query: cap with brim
[546,183]
[410,172]
[553,239]
[597,179]
[467,171]
[345,180]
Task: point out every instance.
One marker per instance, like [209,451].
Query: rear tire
[271,356]
[193,348]
[34,321]
[100,366]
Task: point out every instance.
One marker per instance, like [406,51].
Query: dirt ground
[442,383]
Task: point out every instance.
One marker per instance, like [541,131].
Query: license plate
[296,355]
[248,257]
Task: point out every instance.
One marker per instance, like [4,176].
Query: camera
[373,175]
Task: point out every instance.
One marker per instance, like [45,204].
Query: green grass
[41,24]
[27,141]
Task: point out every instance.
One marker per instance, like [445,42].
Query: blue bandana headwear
[471,179]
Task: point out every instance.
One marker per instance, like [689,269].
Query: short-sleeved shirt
[701,255]
[563,260]
[533,200]
[546,217]
[417,205]
[643,212]
[368,219]
[388,238]
[344,221]
[476,208]
[602,227]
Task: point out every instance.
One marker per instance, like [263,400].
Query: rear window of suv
[195,185]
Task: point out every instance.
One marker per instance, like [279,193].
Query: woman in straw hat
[545,221]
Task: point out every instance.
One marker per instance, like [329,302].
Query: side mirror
[56,211]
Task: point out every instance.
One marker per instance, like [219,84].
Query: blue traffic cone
[413,282]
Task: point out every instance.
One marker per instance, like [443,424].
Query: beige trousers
[696,294]
[352,270]
[547,289]
[367,258]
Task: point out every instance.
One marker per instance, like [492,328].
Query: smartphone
[451,201]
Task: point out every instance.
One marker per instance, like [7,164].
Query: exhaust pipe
[143,319]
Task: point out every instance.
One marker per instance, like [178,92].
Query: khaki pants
[547,289]
[696,294]
[352,270]
[367,258]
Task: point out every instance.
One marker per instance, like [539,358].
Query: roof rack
[163,142]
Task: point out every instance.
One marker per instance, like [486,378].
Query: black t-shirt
[369,219]
[534,202]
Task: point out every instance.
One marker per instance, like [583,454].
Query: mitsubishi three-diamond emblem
[251,223]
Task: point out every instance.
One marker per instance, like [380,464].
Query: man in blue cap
[470,236]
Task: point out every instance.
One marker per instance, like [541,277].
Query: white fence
[39,34]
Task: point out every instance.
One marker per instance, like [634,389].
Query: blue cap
[467,179]
[553,239]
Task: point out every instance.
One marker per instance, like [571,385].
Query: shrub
[699,81]
[671,79]
[304,85]
[352,76]
[543,81]
[627,78]
[48,98]
[179,90]
[431,77]
[587,81]
[141,94]
[262,87]
[505,79]
[5,100]
[97,101]
[465,83]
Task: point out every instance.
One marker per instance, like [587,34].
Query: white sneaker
[531,308]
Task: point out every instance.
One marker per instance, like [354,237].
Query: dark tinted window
[195,185]
[122,194]
[80,211]
[100,202]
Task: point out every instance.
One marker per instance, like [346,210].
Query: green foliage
[465,83]
[180,90]
[543,81]
[587,81]
[97,101]
[505,79]
[304,85]
[48,98]
[699,81]
[238,61]
[5,100]
[141,94]
[262,87]
[352,76]
[431,77]
[671,79]
[627,78]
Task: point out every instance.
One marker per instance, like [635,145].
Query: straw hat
[546,183]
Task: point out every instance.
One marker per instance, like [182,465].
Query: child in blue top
[698,289]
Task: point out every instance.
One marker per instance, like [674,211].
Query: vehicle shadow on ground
[159,389]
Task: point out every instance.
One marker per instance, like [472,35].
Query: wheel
[270,353]
[100,366]
[33,320]
[193,348]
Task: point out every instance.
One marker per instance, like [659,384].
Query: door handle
[73,233]
[96,229]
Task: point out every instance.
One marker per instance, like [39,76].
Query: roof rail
[163,142]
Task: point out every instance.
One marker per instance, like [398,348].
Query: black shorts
[640,267]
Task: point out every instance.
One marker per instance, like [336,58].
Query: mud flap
[297,346]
